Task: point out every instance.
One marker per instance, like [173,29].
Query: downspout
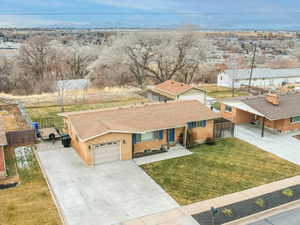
[185,136]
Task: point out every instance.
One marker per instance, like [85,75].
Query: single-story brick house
[3,143]
[279,112]
[172,90]
[121,133]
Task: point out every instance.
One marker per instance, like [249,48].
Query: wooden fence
[223,129]
[21,137]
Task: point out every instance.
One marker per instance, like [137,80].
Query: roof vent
[273,99]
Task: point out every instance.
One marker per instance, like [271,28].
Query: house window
[228,108]
[196,124]
[148,136]
[295,119]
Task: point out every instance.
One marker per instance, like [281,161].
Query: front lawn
[229,166]
[30,203]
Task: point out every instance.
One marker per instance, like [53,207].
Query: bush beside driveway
[229,166]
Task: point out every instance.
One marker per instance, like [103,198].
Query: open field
[30,203]
[222,92]
[226,167]
[37,113]
[71,97]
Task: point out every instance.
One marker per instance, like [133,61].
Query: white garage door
[106,152]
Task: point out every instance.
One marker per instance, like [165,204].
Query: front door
[171,136]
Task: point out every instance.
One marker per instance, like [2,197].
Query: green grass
[10,162]
[30,203]
[37,113]
[229,166]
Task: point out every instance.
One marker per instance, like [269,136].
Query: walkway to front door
[173,152]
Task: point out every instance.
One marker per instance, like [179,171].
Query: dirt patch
[13,119]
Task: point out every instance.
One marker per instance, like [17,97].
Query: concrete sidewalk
[181,215]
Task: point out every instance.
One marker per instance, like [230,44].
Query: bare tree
[5,74]
[158,56]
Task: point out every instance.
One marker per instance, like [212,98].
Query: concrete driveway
[283,145]
[106,194]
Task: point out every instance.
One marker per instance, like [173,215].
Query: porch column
[168,141]
[263,127]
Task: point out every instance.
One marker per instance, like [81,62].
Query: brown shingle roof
[136,119]
[3,140]
[173,87]
[289,106]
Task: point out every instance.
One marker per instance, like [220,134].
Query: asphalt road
[291,217]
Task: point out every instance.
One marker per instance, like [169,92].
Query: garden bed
[249,207]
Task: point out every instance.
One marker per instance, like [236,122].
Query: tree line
[125,59]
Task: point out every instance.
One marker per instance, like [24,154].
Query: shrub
[260,202]
[210,141]
[227,212]
[288,192]
[216,105]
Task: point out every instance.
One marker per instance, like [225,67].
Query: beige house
[172,90]
[122,133]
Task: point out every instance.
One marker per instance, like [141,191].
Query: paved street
[280,144]
[291,217]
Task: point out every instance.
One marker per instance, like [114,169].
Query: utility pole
[252,66]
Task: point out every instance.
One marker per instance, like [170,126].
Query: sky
[207,14]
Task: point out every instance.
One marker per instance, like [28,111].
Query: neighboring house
[172,90]
[273,111]
[3,143]
[122,133]
[260,78]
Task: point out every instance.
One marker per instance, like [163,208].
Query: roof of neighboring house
[241,74]
[289,106]
[173,87]
[138,118]
[3,141]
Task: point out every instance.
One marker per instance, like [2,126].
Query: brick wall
[237,116]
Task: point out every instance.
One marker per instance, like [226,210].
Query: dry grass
[229,166]
[37,113]
[30,203]
[74,96]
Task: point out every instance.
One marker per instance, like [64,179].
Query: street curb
[265,214]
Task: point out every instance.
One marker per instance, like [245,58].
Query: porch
[174,152]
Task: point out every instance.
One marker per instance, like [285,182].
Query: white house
[261,77]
